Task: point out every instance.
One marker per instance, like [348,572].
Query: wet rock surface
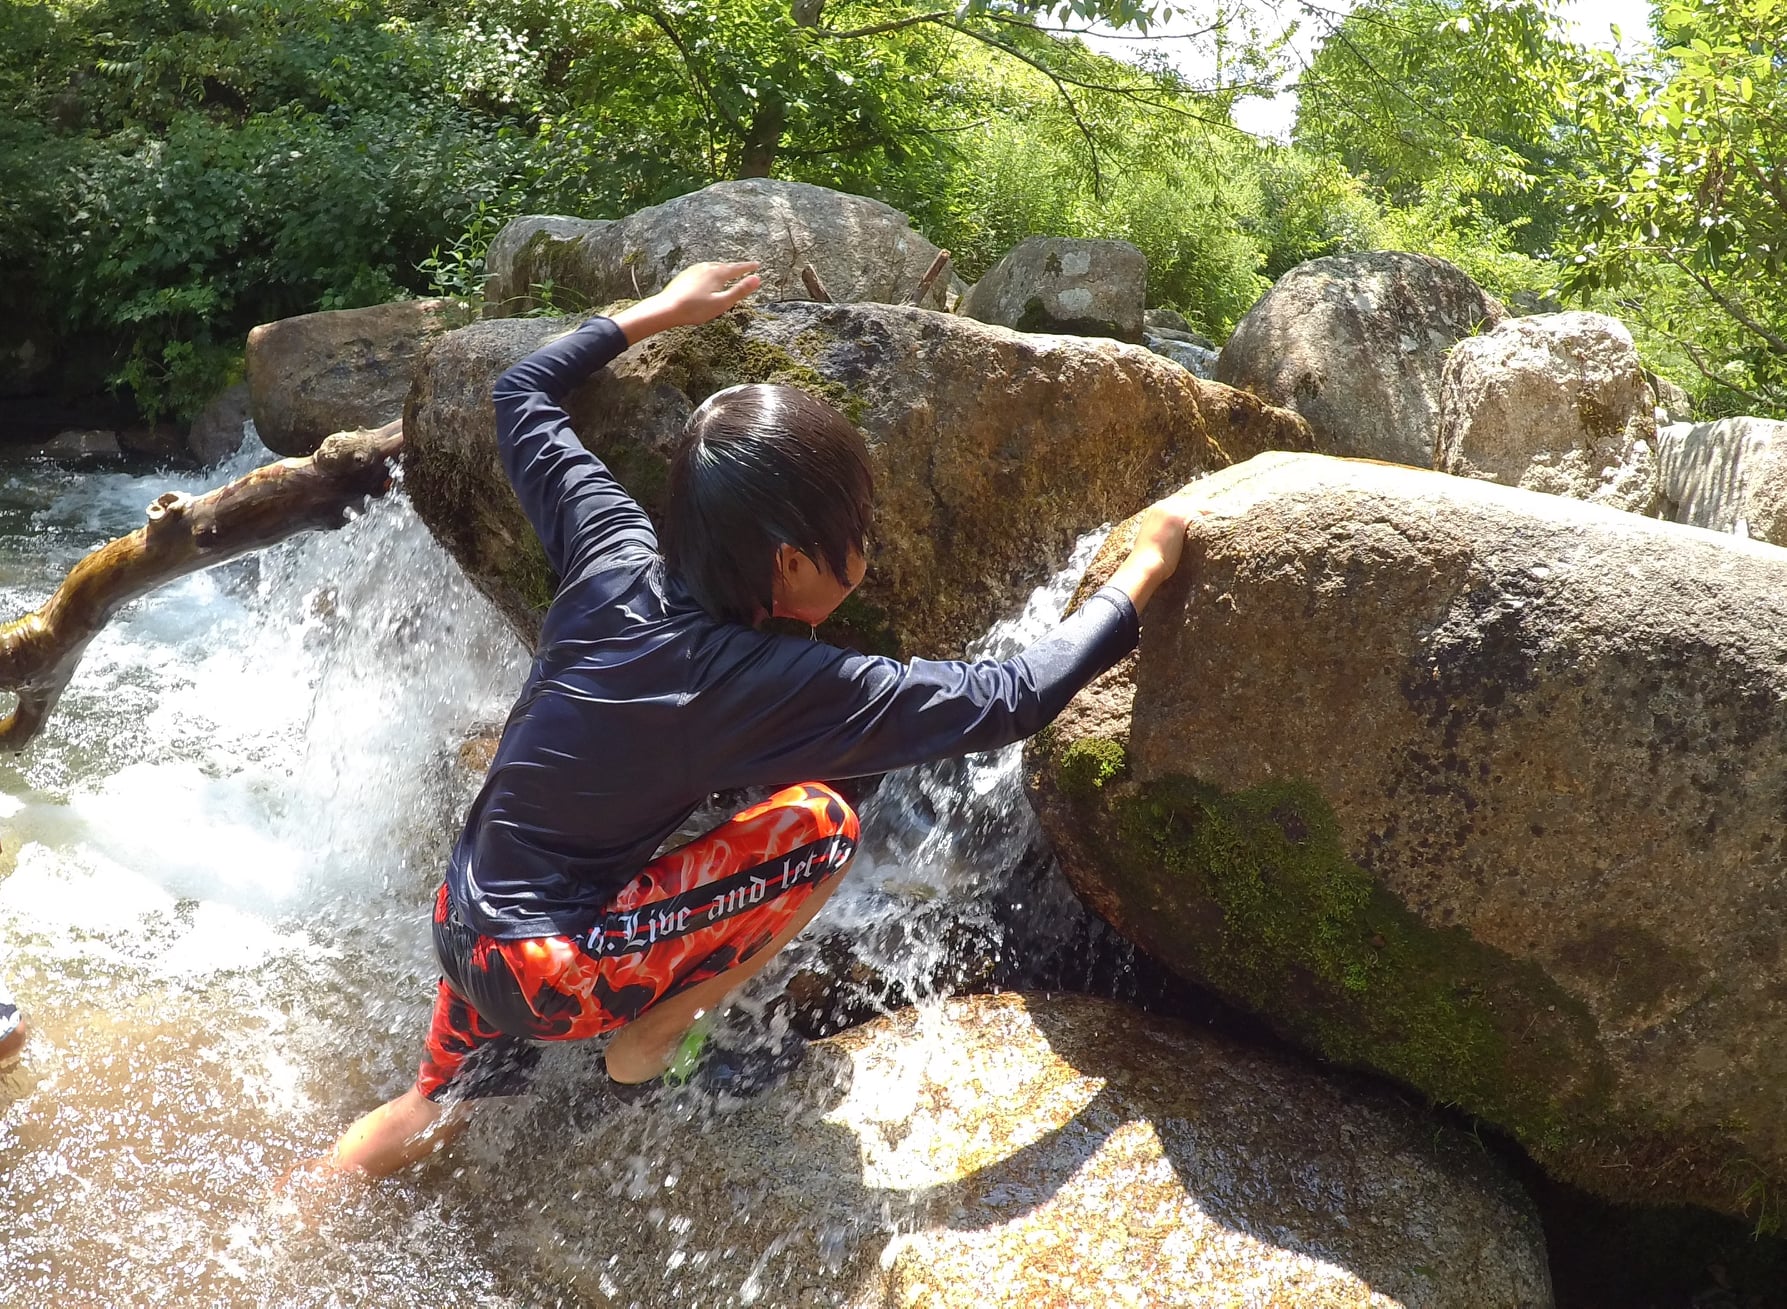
[1355,343]
[218,431]
[1469,786]
[993,449]
[1019,1151]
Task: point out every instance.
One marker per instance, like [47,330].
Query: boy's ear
[789,559]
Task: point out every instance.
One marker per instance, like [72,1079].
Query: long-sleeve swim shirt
[639,704]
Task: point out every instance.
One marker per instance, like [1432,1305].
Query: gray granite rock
[1064,284]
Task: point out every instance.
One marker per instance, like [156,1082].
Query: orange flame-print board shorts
[690,915]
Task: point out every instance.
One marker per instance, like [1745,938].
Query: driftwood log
[184,534]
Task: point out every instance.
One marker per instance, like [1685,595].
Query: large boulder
[1471,786]
[338,370]
[1729,476]
[529,252]
[861,249]
[993,449]
[1355,343]
[1556,403]
[1016,1151]
[1064,284]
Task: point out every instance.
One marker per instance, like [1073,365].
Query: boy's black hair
[761,466]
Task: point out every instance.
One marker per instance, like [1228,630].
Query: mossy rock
[993,451]
[1441,779]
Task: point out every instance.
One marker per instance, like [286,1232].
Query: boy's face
[805,589]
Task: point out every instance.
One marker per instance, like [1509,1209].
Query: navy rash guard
[640,705]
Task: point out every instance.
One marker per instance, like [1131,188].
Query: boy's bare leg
[644,1048]
[396,1134]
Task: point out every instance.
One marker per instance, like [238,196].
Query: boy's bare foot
[393,1136]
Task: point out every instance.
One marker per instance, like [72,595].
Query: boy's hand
[698,294]
[1159,541]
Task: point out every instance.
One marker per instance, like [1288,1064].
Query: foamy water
[215,870]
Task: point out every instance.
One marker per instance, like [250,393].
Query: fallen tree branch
[931,275]
[184,534]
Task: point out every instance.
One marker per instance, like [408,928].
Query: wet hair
[761,466]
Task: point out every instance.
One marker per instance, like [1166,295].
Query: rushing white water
[215,868]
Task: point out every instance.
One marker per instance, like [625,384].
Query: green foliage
[1186,203]
[1679,206]
[178,172]
[1409,93]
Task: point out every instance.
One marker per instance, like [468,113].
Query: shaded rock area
[1555,403]
[84,443]
[218,431]
[994,450]
[529,252]
[1674,405]
[1064,284]
[1016,1151]
[1198,360]
[338,370]
[160,441]
[861,249]
[1473,787]
[1355,343]
[1729,476]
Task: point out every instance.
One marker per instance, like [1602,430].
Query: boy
[652,689]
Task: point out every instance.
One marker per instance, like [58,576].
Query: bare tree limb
[1699,361]
[894,25]
[931,275]
[39,652]
[1774,339]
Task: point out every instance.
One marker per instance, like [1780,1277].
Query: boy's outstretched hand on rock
[1159,541]
[698,294]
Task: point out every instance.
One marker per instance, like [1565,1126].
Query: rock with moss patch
[1555,403]
[529,259]
[1011,1152]
[1474,787]
[993,450]
[1355,343]
[337,370]
[861,249]
[1065,284]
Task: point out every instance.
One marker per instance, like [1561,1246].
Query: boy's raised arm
[580,512]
